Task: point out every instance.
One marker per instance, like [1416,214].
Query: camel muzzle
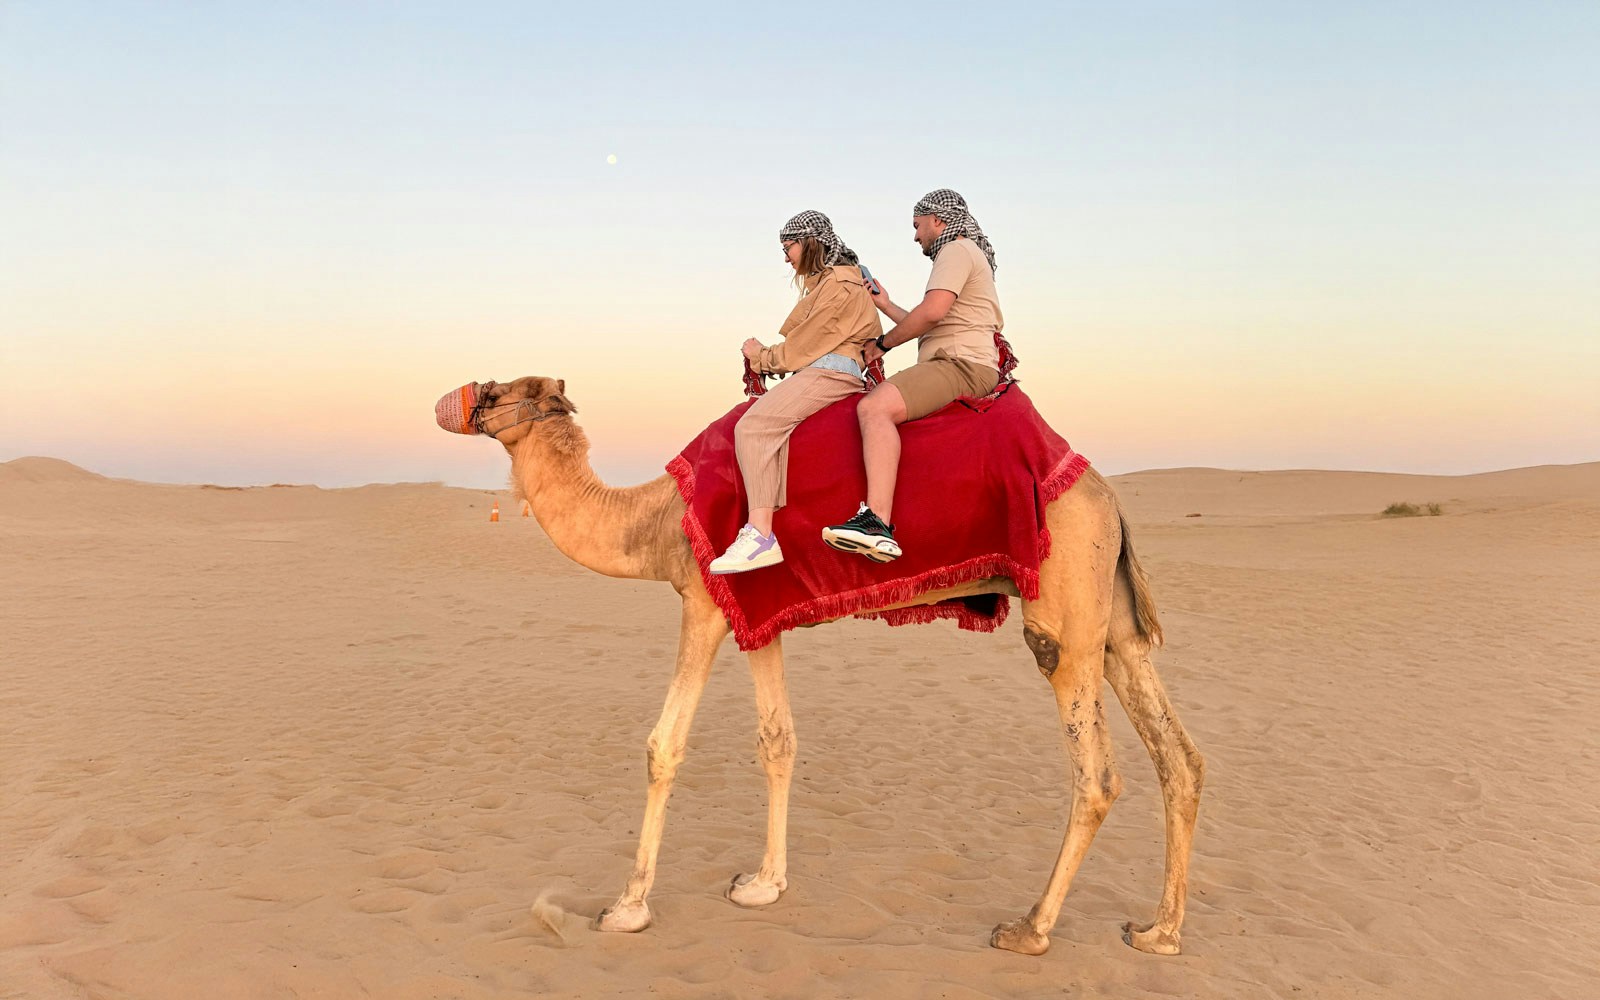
[455,410]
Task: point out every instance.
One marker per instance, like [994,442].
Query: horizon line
[75,468]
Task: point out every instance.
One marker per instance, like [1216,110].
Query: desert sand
[294,742]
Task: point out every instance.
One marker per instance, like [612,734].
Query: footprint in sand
[496,825]
[155,833]
[38,925]
[333,805]
[435,883]
[406,865]
[382,900]
[457,907]
[248,835]
[97,908]
[294,773]
[69,886]
[294,889]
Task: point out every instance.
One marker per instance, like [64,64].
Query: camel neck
[600,527]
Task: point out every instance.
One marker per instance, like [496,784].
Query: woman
[821,345]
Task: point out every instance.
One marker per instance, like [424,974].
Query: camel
[1094,620]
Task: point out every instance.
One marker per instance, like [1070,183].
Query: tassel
[755,384]
[1008,358]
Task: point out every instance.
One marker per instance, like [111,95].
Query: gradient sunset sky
[253,243]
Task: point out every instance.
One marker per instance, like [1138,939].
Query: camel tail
[1144,605]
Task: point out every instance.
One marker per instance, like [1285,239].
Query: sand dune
[36,469]
[280,742]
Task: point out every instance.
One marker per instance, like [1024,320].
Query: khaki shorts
[934,384]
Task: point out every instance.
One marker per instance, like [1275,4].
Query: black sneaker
[865,533]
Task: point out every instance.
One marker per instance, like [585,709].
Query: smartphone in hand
[872,284]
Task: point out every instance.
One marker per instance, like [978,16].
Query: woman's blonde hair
[812,255]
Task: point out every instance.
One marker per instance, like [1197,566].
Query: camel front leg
[776,744]
[1076,680]
[702,631]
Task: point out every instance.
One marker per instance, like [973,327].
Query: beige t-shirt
[969,327]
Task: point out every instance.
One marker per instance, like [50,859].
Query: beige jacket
[835,316]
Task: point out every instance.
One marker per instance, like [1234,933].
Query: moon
[612,159]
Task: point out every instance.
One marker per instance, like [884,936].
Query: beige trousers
[761,438]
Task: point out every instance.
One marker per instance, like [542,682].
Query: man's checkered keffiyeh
[818,227]
[958,222]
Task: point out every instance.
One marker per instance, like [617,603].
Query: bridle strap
[480,411]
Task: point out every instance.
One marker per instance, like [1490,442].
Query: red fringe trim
[860,602]
[966,618]
[1064,477]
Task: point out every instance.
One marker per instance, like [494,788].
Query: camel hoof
[1020,937]
[746,890]
[1151,939]
[623,918]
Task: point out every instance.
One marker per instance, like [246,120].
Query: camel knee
[662,760]
[1194,771]
[1178,761]
[1096,793]
[1046,649]
[776,742]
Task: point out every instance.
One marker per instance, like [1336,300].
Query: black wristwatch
[879,341]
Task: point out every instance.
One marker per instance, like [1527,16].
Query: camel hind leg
[1095,786]
[1066,628]
[775,742]
[1179,766]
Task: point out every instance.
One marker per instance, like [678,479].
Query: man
[954,326]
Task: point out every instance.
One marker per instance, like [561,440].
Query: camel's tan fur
[1094,621]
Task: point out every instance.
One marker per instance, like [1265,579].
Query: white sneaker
[751,550]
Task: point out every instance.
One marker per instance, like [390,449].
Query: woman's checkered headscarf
[818,227]
[958,222]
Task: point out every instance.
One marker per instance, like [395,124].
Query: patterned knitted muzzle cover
[454,409]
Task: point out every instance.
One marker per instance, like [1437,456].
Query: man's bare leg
[880,415]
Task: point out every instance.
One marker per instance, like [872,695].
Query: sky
[249,243]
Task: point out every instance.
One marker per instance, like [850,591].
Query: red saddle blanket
[975,478]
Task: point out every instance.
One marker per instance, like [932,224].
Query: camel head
[506,411]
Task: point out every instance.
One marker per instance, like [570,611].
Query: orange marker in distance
[494,512]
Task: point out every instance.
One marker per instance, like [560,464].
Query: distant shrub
[1404,509]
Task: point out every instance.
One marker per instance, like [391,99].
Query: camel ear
[560,404]
[561,385]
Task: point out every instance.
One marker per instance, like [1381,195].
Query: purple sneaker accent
[763,542]
[750,550]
